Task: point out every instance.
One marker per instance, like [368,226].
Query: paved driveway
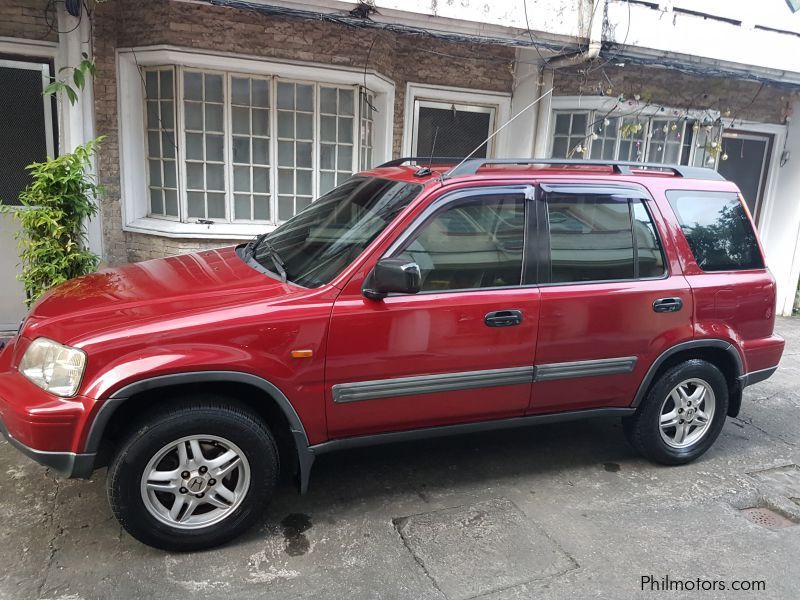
[557,511]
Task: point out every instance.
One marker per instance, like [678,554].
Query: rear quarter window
[718,230]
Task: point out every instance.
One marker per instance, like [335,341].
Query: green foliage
[52,240]
[78,79]
[629,130]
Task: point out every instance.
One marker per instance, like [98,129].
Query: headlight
[53,367]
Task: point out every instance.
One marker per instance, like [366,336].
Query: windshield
[316,244]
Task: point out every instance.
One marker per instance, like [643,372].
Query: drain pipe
[595,37]
[541,147]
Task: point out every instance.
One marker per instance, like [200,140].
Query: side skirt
[363,441]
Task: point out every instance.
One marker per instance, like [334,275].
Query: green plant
[79,76]
[54,207]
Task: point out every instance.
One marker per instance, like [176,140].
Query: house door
[451,130]
[747,165]
[26,136]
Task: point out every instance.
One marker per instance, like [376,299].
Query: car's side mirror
[392,276]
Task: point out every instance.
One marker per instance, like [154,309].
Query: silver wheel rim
[195,481]
[686,413]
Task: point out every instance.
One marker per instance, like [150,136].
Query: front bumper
[68,464]
[41,426]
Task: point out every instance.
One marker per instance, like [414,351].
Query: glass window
[649,257]
[718,230]
[658,139]
[367,125]
[204,128]
[295,147]
[590,238]
[666,141]
[569,137]
[161,142]
[477,243]
[319,242]
[604,140]
[336,136]
[254,149]
[250,148]
[633,134]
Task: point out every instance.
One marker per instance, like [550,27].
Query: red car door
[462,349]
[610,302]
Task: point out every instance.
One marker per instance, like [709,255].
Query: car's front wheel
[193,476]
[682,414]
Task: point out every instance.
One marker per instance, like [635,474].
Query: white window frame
[130,99]
[603,104]
[465,98]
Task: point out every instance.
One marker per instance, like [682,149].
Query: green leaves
[79,77]
[52,240]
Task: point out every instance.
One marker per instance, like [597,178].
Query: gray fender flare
[690,345]
[305,456]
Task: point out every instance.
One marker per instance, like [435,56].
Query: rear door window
[600,235]
[718,230]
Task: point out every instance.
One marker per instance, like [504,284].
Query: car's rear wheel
[682,414]
[193,476]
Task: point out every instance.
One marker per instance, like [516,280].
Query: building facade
[222,119]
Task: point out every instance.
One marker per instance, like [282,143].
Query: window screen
[718,230]
[477,243]
[23,131]
[456,132]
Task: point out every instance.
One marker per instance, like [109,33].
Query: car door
[461,349]
[610,301]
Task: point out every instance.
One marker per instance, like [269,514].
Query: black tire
[201,416]
[643,428]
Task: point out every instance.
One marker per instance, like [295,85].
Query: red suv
[409,302]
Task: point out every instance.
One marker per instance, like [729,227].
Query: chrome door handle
[664,305]
[503,318]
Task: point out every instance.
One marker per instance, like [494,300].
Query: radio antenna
[506,124]
[433,146]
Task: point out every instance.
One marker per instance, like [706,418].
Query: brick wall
[731,97]
[29,19]
[125,23]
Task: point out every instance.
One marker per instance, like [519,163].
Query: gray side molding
[304,456]
[428,384]
[585,368]
[690,345]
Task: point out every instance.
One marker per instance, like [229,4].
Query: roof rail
[471,166]
[448,160]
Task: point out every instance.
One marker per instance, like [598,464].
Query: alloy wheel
[195,481]
[686,413]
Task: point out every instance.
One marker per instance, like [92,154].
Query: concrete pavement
[556,511]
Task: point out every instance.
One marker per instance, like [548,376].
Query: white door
[26,136]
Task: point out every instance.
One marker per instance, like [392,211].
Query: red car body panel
[210,311]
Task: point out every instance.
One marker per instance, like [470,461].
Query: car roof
[424,170]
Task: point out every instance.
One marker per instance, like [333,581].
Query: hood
[150,291]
